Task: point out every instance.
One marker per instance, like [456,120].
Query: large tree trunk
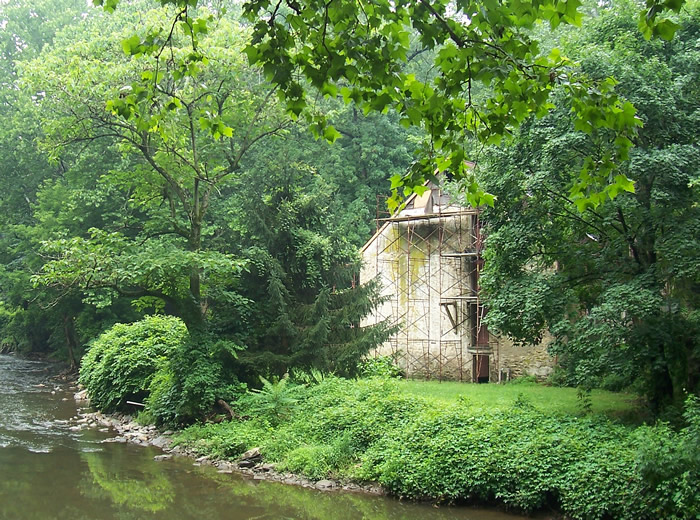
[194,311]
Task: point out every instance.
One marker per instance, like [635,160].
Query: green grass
[547,399]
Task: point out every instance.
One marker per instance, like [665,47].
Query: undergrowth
[421,448]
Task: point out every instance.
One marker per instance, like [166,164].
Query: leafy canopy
[488,73]
[178,142]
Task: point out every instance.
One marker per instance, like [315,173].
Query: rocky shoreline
[250,464]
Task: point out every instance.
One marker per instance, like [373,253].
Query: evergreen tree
[305,306]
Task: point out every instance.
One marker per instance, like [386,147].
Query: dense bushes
[180,377]
[120,363]
[200,372]
[370,430]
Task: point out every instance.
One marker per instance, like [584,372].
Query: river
[51,470]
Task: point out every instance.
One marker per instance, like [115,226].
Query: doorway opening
[480,368]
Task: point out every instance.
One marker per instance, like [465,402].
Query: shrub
[529,379]
[670,465]
[313,461]
[199,372]
[121,362]
[274,402]
[224,440]
[379,366]
[615,382]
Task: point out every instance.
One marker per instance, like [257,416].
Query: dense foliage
[171,172]
[121,363]
[141,191]
[362,52]
[199,375]
[302,267]
[617,286]
[164,205]
[33,187]
[419,448]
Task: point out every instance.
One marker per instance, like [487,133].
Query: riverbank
[250,463]
[517,457]
[336,433]
[57,472]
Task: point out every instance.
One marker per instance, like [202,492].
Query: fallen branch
[226,407]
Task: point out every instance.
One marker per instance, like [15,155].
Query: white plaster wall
[414,282]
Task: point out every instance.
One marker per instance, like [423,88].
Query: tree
[165,201]
[185,132]
[617,286]
[305,310]
[27,324]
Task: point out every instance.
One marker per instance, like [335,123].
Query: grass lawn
[623,406]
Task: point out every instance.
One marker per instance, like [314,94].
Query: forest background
[179,179]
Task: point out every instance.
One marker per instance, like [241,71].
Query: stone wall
[527,360]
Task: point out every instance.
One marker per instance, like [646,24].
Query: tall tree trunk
[194,311]
[196,242]
[71,340]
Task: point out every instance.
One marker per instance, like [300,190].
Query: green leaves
[330,134]
[108,264]
[107,5]
[321,128]
[591,239]
[275,401]
[649,23]
[422,448]
[131,45]
[215,126]
[121,363]
[366,66]
[624,183]
[329,47]
[665,29]
[602,114]
[137,47]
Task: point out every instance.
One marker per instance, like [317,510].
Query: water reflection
[113,476]
[50,472]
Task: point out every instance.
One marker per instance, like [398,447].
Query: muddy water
[51,470]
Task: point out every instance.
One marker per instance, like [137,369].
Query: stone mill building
[427,258]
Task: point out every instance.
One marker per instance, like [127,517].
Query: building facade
[427,259]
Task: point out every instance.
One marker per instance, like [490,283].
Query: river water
[50,470]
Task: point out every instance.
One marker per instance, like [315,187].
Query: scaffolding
[427,259]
